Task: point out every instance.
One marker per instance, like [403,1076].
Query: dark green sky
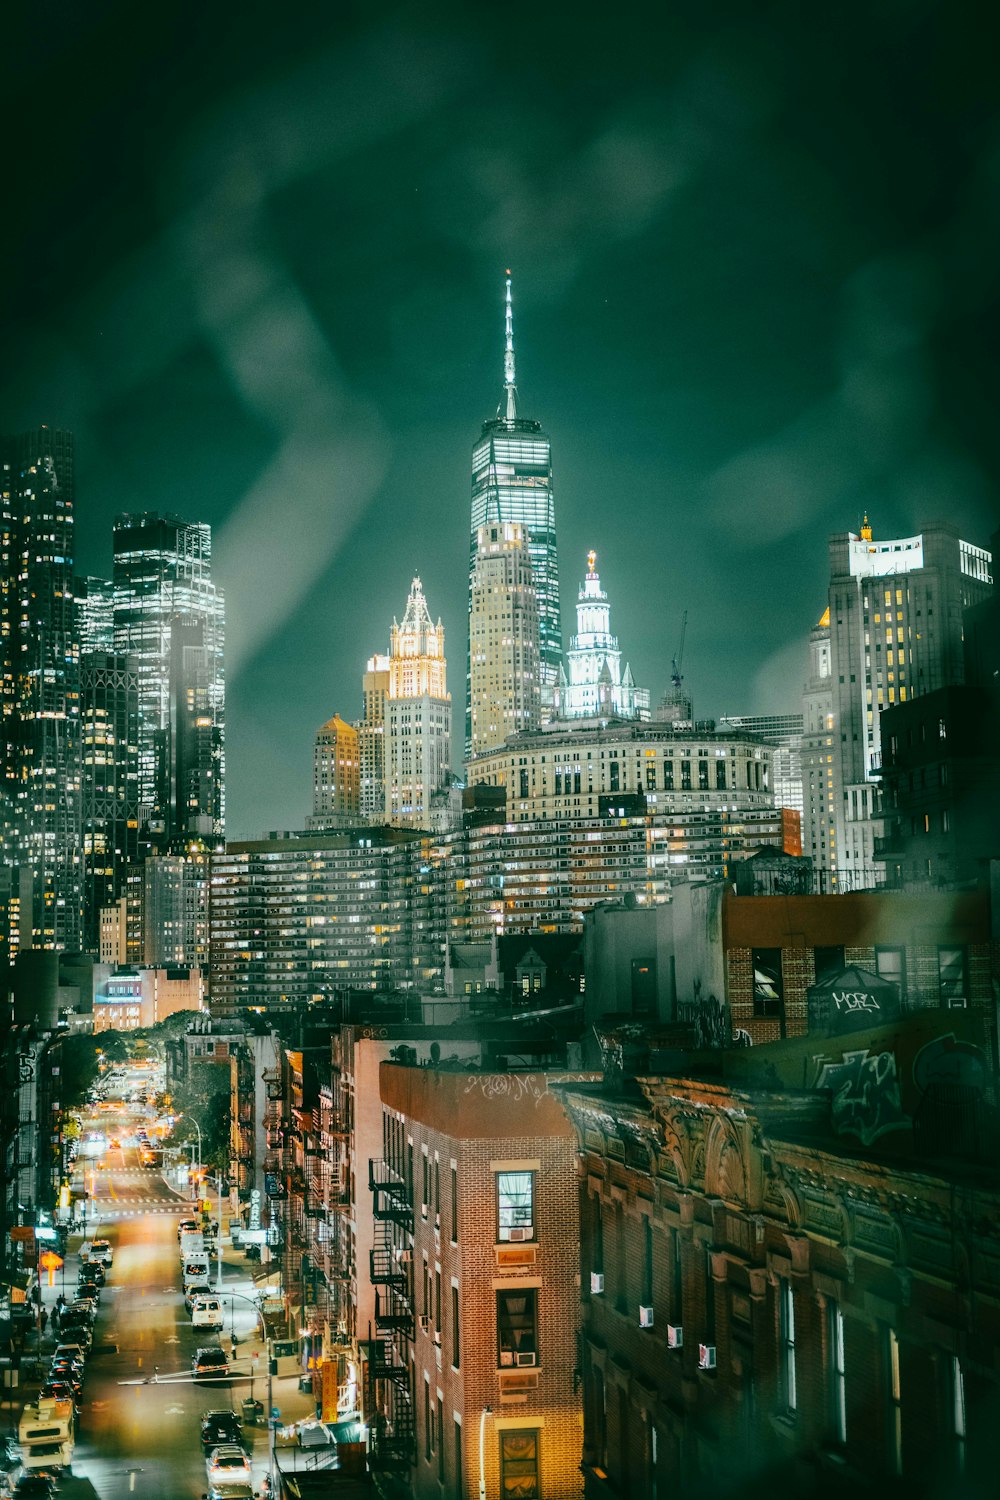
[255,261]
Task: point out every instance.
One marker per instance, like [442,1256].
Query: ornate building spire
[507,411]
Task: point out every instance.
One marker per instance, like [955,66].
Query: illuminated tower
[512,482]
[371,740]
[417,714]
[163,575]
[594,684]
[505,688]
[40,680]
[109,720]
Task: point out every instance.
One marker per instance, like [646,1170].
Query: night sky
[254,259]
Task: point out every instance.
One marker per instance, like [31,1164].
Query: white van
[47,1439]
[207,1313]
[196,1269]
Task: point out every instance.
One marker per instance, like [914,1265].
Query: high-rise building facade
[593,683]
[819,828]
[371,740]
[336,776]
[505,683]
[39,679]
[109,735]
[895,634]
[512,481]
[417,714]
[190,794]
[163,574]
[783,733]
[95,613]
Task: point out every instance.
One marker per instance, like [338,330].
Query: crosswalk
[127,1207]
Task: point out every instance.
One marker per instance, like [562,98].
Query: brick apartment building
[768,1312]
[476,1268]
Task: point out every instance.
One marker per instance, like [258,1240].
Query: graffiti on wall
[865,1098]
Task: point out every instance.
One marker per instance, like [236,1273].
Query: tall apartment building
[895,622]
[504,662]
[417,738]
[477,1291]
[163,574]
[593,683]
[336,776]
[294,918]
[173,915]
[371,740]
[512,482]
[39,679]
[109,735]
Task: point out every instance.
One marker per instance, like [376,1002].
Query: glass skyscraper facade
[512,481]
[162,578]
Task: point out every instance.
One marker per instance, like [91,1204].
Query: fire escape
[390,1398]
[274,1174]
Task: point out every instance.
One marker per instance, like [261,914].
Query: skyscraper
[109,734]
[39,679]
[95,613]
[593,683]
[512,481]
[417,714]
[505,686]
[163,575]
[371,740]
[895,621]
[336,776]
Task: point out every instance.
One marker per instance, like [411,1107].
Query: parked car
[228,1464]
[210,1364]
[57,1390]
[86,1307]
[76,1330]
[207,1312]
[187,1226]
[230,1491]
[61,1372]
[101,1249]
[220,1426]
[94,1270]
[37,1486]
[193,1291]
[89,1290]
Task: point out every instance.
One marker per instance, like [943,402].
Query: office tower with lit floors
[512,482]
[895,626]
[163,574]
[40,680]
[109,735]
[505,686]
[336,776]
[371,740]
[417,714]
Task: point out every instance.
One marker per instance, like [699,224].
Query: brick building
[768,1312]
[476,1270]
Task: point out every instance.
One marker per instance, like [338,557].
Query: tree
[204,1097]
[78,1068]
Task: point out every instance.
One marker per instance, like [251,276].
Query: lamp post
[482,1450]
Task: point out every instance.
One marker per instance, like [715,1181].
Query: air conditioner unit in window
[706,1356]
[424,1321]
[527,1359]
[675,1336]
[437,1335]
[596,1282]
[404,1257]
[524,1233]
[645,1317]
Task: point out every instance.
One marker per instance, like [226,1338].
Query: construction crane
[676,675]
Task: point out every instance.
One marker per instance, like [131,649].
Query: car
[85,1306]
[73,1364]
[57,1390]
[228,1464]
[37,1486]
[210,1364]
[76,1330]
[221,1425]
[195,1290]
[88,1291]
[230,1491]
[72,1352]
[94,1271]
[102,1249]
[66,1374]
[187,1226]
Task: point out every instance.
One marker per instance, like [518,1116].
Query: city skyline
[741,325]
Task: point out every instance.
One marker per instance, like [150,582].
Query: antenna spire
[508,406]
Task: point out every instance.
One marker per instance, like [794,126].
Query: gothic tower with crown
[594,684]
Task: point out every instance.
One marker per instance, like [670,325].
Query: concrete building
[174,908]
[783,732]
[593,682]
[504,662]
[417,714]
[895,620]
[112,942]
[138,998]
[477,1289]
[819,824]
[336,776]
[109,769]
